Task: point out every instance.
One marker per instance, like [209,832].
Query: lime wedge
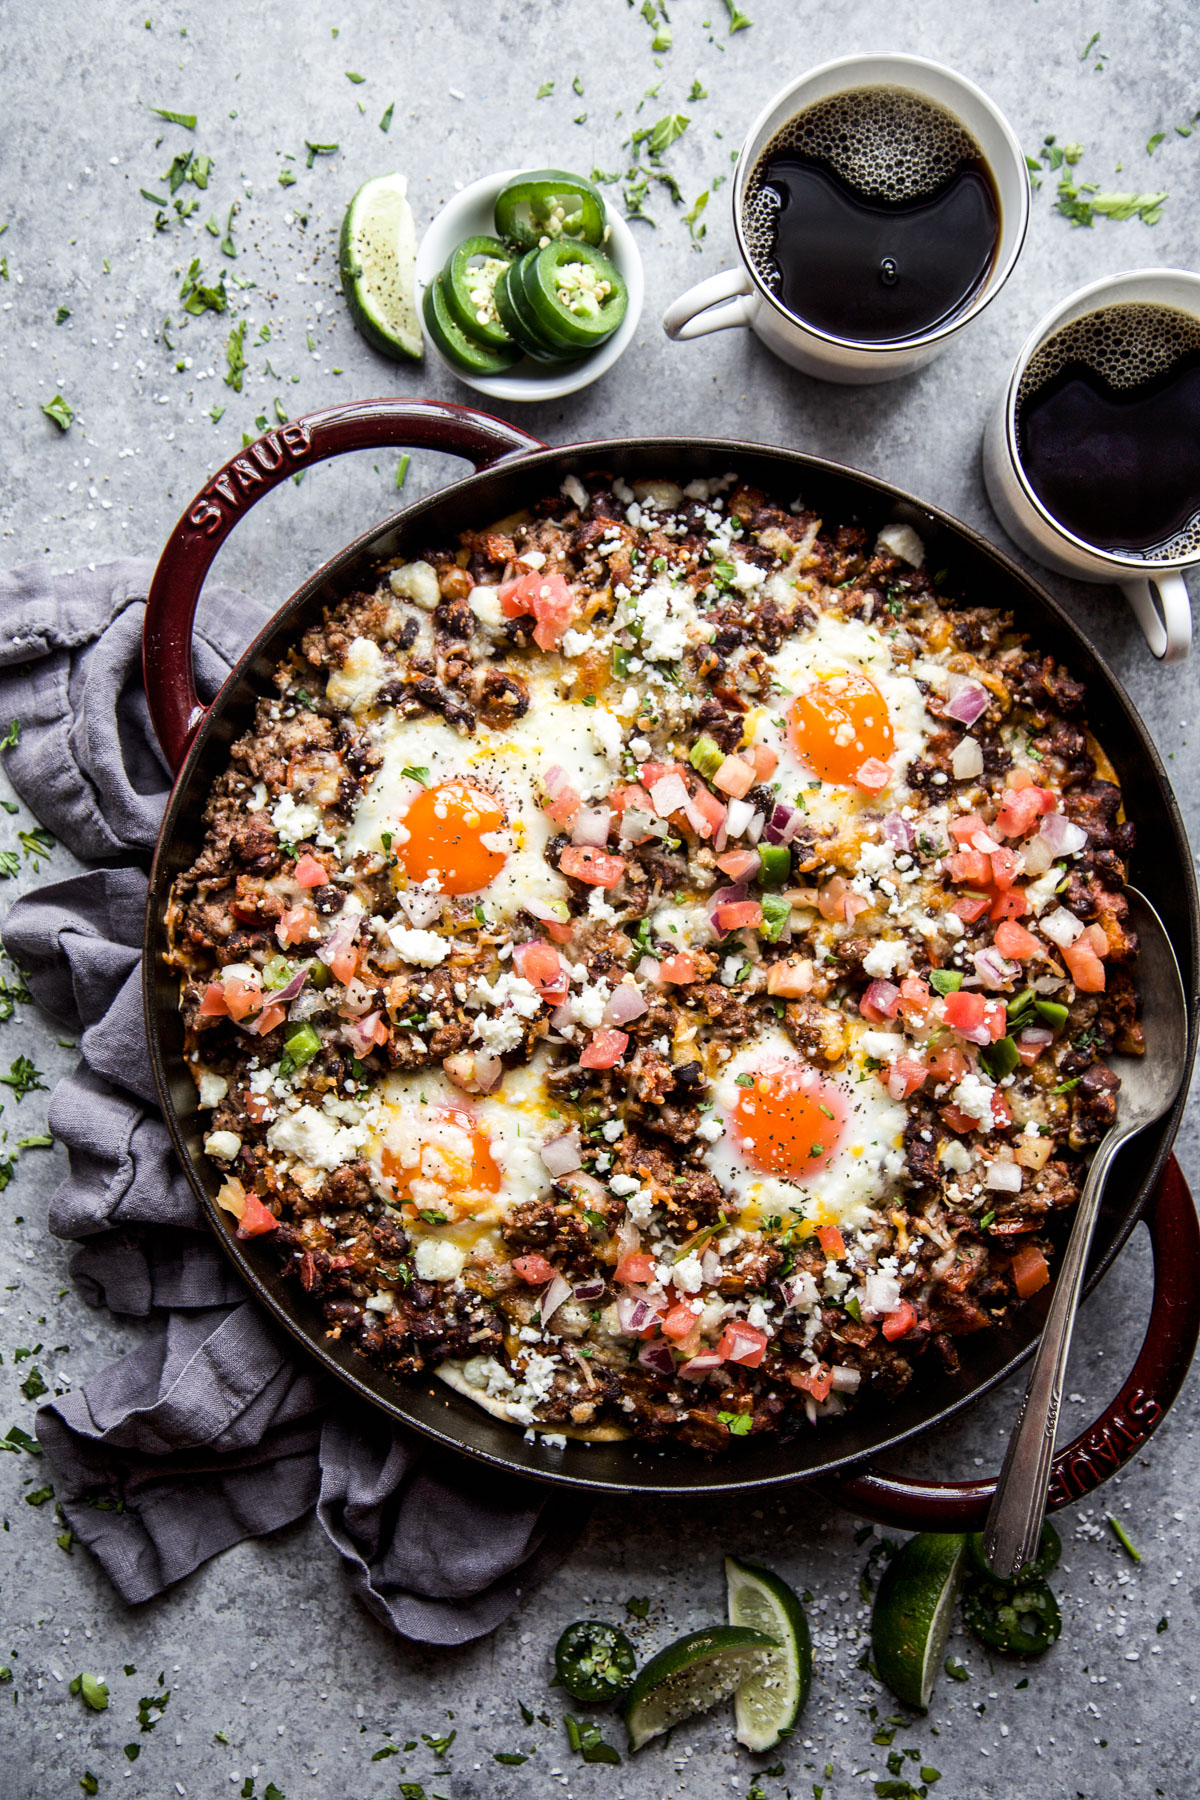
[913,1609]
[691,1675]
[376,257]
[768,1702]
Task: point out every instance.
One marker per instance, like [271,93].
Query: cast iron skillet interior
[978,573]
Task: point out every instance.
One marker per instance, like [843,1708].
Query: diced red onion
[754,829]
[1038,856]
[738,817]
[1061,927]
[1062,835]
[284,995]
[554,778]
[562,1018]
[698,821]
[710,1263]
[726,896]
[626,1004]
[310,1002]
[340,938]
[561,1154]
[884,996]
[968,699]
[359,1033]
[881,1295]
[799,1290]
[635,1312]
[983,840]
[697,1367]
[542,909]
[357,998]
[656,1355]
[967,759]
[783,824]
[553,1295]
[898,832]
[591,826]
[669,795]
[1004,1177]
[992,968]
[422,908]
[637,825]
[647,970]
[1039,1035]
[843,1380]
[589,1290]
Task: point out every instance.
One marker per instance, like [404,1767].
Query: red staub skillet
[511,470]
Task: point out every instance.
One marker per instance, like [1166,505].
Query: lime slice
[691,1675]
[913,1609]
[767,1704]
[376,257]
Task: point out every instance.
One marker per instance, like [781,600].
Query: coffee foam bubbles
[886,143]
[1125,345]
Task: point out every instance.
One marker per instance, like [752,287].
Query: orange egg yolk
[787,1120]
[838,723]
[459,1161]
[446,827]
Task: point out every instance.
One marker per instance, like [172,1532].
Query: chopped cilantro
[402,470]
[39,1496]
[356,79]
[738,21]
[638,1606]
[89,1783]
[546,89]
[58,410]
[235,356]
[1122,1536]
[1153,142]
[416,772]
[187,120]
[692,215]
[736,1423]
[385,124]
[23,1078]
[315,150]
[697,92]
[512,1758]
[94,1690]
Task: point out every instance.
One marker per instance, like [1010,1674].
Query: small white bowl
[470,214]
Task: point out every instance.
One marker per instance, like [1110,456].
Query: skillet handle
[362,425]
[1123,1427]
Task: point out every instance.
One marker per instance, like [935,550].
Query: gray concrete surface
[265,1646]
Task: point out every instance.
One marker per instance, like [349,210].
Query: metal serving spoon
[1148,1086]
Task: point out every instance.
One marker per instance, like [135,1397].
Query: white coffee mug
[739,296]
[1153,586]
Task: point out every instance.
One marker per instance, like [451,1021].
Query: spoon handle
[1014,1523]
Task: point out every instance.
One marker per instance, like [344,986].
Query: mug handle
[1163,608]
[175,707]
[690,317]
[1122,1429]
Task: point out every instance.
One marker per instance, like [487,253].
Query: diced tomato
[558,929]
[637,1267]
[564,805]
[789,980]
[735,777]
[995,1019]
[916,998]
[534,1269]
[542,967]
[344,965]
[1010,905]
[310,873]
[256,1218]
[213,1005]
[742,1343]
[596,867]
[732,915]
[903,1077]
[258,1107]
[875,1007]
[737,863]
[270,1017]
[547,597]
[631,793]
[948,1064]
[1022,808]
[1030,1270]
[604,1049]
[677,970]
[816,1382]
[1005,869]
[971,867]
[831,1241]
[899,1323]
[1001,1110]
[1097,937]
[964,1010]
[297,926]
[650,773]
[963,830]
[765,761]
[1029,1053]
[968,910]
[242,997]
[712,811]
[382,1032]
[677,1322]
[1013,940]
[958,1120]
[873,776]
[1087,971]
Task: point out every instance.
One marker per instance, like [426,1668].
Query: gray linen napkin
[210,1432]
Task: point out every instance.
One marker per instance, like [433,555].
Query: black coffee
[1108,429]
[872,215]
